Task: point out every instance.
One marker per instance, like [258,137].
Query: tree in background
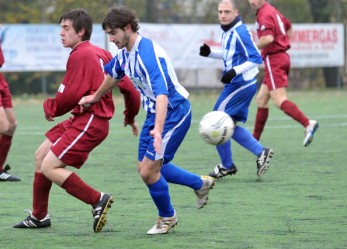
[169,11]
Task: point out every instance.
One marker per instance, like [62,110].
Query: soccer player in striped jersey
[241,60]
[274,31]
[70,142]
[168,112]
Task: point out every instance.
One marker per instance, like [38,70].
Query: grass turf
[300,202]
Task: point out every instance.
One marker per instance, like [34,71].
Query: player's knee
[145,176]
[46,171]
[261,102]
[12,128]
[4,128]
[38,157]
[278,102]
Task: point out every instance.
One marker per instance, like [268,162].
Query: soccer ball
[216,127]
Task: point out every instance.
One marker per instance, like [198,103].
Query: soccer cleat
[6,177]
[100,211]
[309,132]
[220,171]
[202,193]
[32,222]
[263,161]
[164,225]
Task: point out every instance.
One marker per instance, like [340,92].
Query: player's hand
[157,140]
[133,126]
[228,76]
[49,117]
[205,50]
[86,101]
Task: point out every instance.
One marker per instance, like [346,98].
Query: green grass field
[301,202]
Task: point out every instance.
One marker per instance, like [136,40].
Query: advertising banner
[38,47]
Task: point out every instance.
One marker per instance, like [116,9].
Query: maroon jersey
[2,59]
[271,22]
[84,74]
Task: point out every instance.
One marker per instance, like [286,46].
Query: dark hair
[119,17]
[80,20]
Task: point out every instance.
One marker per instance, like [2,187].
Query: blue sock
[177,175]
[161,197]
[225,154]
[243,137]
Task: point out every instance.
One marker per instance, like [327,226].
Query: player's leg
[279,97]
[173,135]
[39,217]
[6,136]
[149,166]
[226,102]
[278,67]
[51,168]
[85,133]
[4,142]
[262,100]
[8,124]
[243,137]
[159,191]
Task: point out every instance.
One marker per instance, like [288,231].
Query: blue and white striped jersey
[239,52]
[150,70]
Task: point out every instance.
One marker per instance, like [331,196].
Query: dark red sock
[260,120]
[41,188]
[79,189]
[5,145]
[294,112]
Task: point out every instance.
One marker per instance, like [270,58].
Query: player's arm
[2,59]
[108,84]
[132,100]
[160,117]
[290,32]
[264,41]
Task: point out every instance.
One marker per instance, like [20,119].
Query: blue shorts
[175,129]
[235,99]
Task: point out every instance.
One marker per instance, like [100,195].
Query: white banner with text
[38,47]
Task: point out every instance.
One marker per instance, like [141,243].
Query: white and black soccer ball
[216,127]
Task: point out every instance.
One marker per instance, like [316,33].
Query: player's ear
[81,32]
[127,27]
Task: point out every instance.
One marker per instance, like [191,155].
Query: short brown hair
[120,17]
[80,20]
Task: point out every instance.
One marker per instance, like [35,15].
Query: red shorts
[276,71]
[74,138]
[5,95]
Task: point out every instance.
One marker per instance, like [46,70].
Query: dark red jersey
[2,59]
[271,22]
[84,74]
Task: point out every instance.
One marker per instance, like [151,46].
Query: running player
[71,141]
[168,112]
[274,31]
[8,125]
[241,59]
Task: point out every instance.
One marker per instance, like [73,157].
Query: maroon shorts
[5,95]
[276,71]
[74,138]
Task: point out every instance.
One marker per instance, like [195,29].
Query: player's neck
[132,40]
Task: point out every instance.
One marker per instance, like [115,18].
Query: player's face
[118,36]
[256,4]
[226,13]
[69,37]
